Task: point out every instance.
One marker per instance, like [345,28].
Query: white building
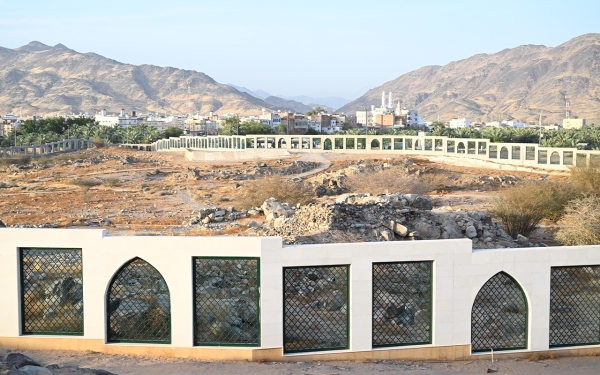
[123,119]
[515,124]
[269,118]
[460,122]
[364,118]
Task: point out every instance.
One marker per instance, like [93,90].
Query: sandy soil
[157,365]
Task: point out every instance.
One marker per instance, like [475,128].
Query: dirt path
[323,161]
[157,365]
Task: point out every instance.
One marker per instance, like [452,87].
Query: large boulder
[19,360]
[272,205]
[34,370]
[63,291]
[422,203]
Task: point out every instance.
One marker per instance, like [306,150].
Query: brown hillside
[512,84]
[45,80]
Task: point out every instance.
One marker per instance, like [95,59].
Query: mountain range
[300,103]
[516,83]
[42,79]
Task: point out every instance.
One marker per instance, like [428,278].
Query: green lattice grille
[138,305]
[499,316]
[401,303]
[575,306]
[315,308]
[227,301]
[52,291]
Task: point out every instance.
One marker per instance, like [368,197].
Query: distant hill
[515,83]
[288,104]
[256,93]
[44,80]
[300,103]
[331,102]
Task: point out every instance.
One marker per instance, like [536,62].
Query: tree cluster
[54,129]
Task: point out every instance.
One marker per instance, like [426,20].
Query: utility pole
[540,125]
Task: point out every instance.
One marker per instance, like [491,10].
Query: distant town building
[460,122]
[515,124]
[270,118]
[123,119]
[573,123]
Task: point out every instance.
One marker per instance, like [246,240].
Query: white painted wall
[458,274]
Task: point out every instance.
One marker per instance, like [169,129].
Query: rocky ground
[148,193]
[89,363]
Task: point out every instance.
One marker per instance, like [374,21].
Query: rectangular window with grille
[402,295]
[51,291]
[574,306]
[227,301]
[316,313]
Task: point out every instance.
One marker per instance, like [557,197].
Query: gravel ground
[118,364]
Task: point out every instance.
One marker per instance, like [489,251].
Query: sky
[288,47]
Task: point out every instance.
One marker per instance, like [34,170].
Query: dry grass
[393,180]
[541,357]
[581,223]
[522,207]
[255,192]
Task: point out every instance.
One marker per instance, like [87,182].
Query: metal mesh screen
[315,308]
[499,316]
[138,305]
[574,306]
[227,301]
[401,303]
[51,291]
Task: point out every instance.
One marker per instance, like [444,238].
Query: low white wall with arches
[511,154]
[458,274]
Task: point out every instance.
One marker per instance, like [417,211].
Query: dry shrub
[85,184]
[541,356]
[587,177]
[112,182]
[18,160]
[254,193]
[393,180]
[521,208]
[581,223]
[98,142]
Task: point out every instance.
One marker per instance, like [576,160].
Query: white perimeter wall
[458,274]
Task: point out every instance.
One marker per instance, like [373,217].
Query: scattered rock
[19,360]
[34,370]
[272,205]
[105,222]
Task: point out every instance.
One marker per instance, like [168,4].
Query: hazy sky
[288,47]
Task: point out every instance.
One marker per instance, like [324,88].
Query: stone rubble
[250,172]
[386,217]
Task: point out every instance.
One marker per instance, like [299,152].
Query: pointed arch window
[138,305]
[499,316]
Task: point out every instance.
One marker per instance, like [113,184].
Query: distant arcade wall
[513,154]
[251,298]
